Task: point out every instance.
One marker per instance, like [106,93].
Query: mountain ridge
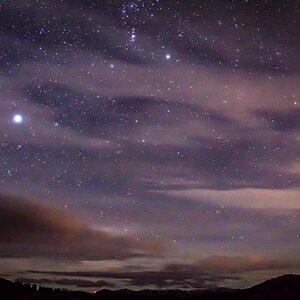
[285,287]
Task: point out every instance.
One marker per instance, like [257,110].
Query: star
[18,119]
[168,56]
[133,36]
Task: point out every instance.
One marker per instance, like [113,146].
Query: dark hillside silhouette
[286,287]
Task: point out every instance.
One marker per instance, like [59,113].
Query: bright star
[133,36]
[168,56]
[18,119]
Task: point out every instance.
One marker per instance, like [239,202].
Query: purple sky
[149,144]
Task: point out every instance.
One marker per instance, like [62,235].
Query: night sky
[149,144]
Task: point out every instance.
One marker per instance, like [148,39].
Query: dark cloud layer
[207,273]
[30,230]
